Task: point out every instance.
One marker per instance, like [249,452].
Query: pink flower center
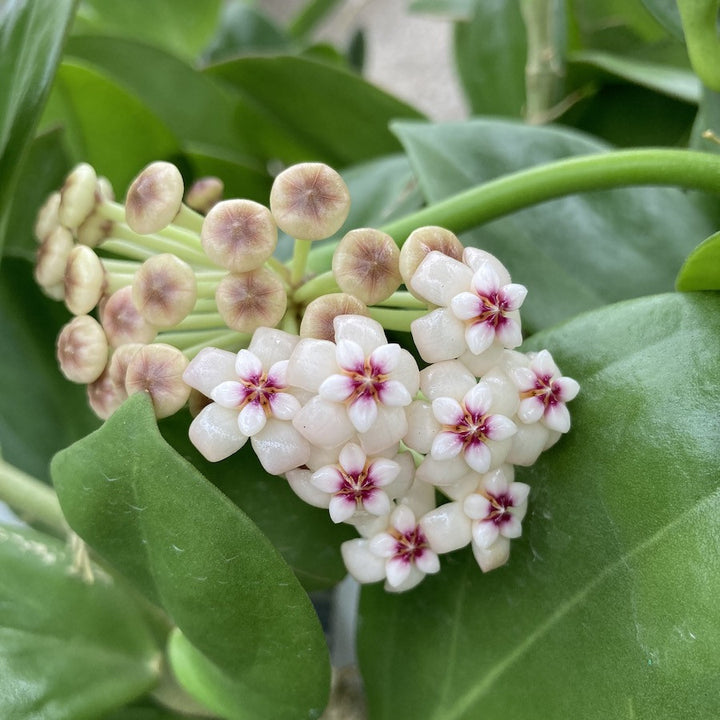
[546,390]
[260,389]
[500,508]
[492,308]
[356,485]
[471,428]
[410,545]
[367,382]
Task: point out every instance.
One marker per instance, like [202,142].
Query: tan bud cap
[123,322]
[52,257]
[47,218]
[104,396]
[247,301]
[204,193]
[239,235]
[82,349]
[84,280]
[317,321]
[157,369]
[365,264]
[309,201]
[78,196]
[154,198]
[164,290]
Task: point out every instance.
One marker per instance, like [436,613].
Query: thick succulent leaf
[273,507]
[667,14]
[32,33]
[680,83]
[574,253]
[199,112]
[40,411]
[490,52]
[183,27]
[701,270]
[608,606]
[189,548]
[241,178]
[71,648]
[316,108]
[106,125]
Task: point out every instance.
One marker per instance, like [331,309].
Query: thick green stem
[394,319]
[404,300]
[299,261]
[31,499]
[699,21]
[601,171]
[319,285]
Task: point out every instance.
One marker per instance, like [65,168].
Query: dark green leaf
[240,178]
[701,270]
[40,411]
[608,607]
[305,536]
[667,14]
[311,14]
[32,33]
[43,172]
[106,125]
[70,648]
[490,54]
[455,9]
[187,546]
[673,81]
[574,253]
[244,30]
[316,111]
[200,113]
[183,27]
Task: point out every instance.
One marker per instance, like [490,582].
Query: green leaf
[70,648]
[490,54]
[273,507]
[701,270]
[106,125]
[43,172]
[188,547]
[667,14]
[200,113]
[32,33]
[672,81]
[315,111]
[183,27]
[706,130]
[311,14]
[575,253]
[455,9]
[608,606]
[40,411]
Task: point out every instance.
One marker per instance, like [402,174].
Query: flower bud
[52,257]
[157,369]
[94,230]
[317,321]
[119,361]
[164,290]
[154,198]
[422,241]
[123,322]
[365,264]
[309,201]
[84,280]
[204,193]
[239,235]
[251,300]
[104,396]
[82,349]
[47,218]
[77,197]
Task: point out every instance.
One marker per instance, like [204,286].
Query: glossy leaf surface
[32,33]
[70,648]
[701,270]
[574,253]
[189,548]
[607,607]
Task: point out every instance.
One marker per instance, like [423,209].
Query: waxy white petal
[394,394]
[277,374]
[407,373]
[512,527]
[428,561]
[509,333]
[446,379]
[403,519]
[446,528]
[383,471]
[397,570]
[527,444]
[466,306]
[352,458]
[336,388]
[362,564]
[272,345]
[323,423]
[310,363]
[299,481]
[447,411]
[388,428]
[489,558]
[543,365]
[364,331]
[557,417]
[441,472]
[485,281]
[478,399]
[341,508]
[438,336]
[383,545]
[284,406]
[280,447]
[328,479]
[531,409]
[350,356]
[568,387]
[479,336]
[439,278]
[214,432]
[422,426]
[478,457]
[500,427]
[474,258]
[385,358]
[377,503]
[209,368]
[484,533]
[362,413]
[446,445]
[476,506]
[252,419]
[248,366]
[229,394]
[514,294]
[523,377]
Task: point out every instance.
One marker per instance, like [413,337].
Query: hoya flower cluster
[192,305]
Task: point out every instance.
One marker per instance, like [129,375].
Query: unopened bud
[47,218]
[123,322]
[104,396]
[52,257]
[422,241]
[82,349]
[154,198]
[239,235]
[197,401]
[251,300]
[157,369]
[119,362]
[309,201]
[94,230]
[84,280]
[77,197]
[105,189]
[204,193]
[365,264]
[317,321]
[164,290]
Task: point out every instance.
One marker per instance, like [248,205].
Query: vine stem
[31,499]
[600,171]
